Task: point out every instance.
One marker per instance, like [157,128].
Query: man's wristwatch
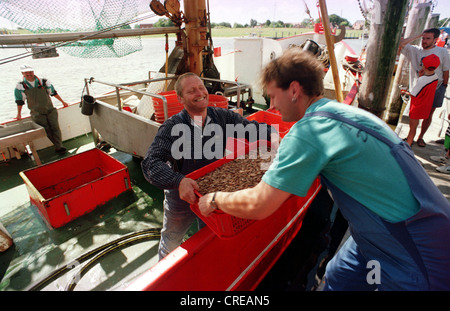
[213,203]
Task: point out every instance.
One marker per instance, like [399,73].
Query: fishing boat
[121,231]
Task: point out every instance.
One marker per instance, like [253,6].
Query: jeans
[178,217]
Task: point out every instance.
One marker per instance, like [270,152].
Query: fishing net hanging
[52,16]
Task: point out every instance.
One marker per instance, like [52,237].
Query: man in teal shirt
[398,219]
[341,153]
[36,92]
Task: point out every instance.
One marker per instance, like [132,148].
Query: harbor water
[67,73]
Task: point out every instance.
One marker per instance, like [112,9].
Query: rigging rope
[48,16]
[28,54]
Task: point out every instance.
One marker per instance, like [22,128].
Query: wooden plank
[330,46]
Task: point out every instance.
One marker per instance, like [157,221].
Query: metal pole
[74,36]
[167,61]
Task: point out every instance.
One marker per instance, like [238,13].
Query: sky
[288,11]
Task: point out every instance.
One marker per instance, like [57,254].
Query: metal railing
[125,86]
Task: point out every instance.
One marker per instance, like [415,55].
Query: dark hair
[436,32]
[295,65]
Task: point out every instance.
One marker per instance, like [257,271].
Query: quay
[435,133]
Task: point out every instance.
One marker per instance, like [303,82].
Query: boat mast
[196,31]
[382,47]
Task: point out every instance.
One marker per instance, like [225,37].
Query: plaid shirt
[162,168]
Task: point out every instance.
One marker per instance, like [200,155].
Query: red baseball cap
[431,61]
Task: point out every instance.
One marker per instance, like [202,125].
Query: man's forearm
[159,174]
[253,203]
[408,40]
[61,100]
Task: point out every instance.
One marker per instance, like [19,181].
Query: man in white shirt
[414,54]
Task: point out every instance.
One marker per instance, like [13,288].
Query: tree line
[306,23]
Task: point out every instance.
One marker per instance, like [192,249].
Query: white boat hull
[251,54]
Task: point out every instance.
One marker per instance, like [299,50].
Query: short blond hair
[179,83]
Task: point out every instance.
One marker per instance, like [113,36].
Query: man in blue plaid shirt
[186,142]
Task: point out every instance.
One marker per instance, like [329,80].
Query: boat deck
[39,250]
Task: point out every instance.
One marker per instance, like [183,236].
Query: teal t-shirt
[355,162]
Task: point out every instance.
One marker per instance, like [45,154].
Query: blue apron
[413,254]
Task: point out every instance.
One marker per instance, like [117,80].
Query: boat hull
[206,262]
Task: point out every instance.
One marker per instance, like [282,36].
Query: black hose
[152,233]
[77,277]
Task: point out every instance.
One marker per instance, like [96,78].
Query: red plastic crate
[66,189]
[224,225]
[218,101]
[174,106]
[272,119]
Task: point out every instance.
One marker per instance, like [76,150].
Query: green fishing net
[53,16]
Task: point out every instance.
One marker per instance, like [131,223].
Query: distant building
[145,26]
[358,25]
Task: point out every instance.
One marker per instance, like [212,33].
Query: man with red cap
[422,95]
